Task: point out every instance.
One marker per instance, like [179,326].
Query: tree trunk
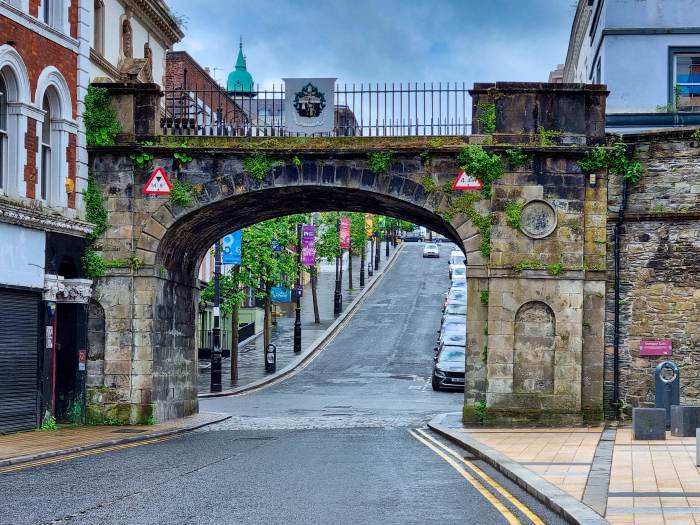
[267,336]
[234,331]
[350,268]
[314,295]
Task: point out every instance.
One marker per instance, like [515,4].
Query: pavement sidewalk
[251,364]
[23,447]
[580,469]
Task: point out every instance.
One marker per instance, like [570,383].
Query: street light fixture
[216,331]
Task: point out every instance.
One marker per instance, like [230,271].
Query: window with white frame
[3,135]
[54,13]
[98,26]
[46,161]
[686,81]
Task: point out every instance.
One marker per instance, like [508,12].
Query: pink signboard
[308,245]
[655,348]
[344,233]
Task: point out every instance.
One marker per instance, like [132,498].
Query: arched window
[45,172]
[3,134]
[98,26]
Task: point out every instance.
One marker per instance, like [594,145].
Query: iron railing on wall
[367,110]
[206,340]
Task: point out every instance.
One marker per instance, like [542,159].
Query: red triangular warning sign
[466,182]
[158,183]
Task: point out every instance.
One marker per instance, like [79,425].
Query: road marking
[500,507]
[488,479]
[84,453]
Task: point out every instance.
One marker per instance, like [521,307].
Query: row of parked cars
[449,360]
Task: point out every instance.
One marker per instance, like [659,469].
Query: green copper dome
[239,80]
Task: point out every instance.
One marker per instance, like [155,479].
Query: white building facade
[648,54]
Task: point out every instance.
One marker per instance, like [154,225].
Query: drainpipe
[616,336]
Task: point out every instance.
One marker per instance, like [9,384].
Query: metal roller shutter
[19,313]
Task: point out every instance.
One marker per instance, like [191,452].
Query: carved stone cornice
[156,15]
[40,218]
[61,290]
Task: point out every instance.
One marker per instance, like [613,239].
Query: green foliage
[516,158]
[257,165]
[554,269]
[93,264]
[49,423]
[546,135]
[614,159]
[181,194]
[514,214]
[487,117]
[429,185]
[100,120]
[379,162]
[696,135]
[95,211]
[182,158]
[358,232]
[484,296]
[481,165]
[527,264]
[482,411]
[485,353]
[464,203]
[296,161]
[75,413]
[426,159]
[141,159]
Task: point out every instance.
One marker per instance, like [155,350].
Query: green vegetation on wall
[487,117]
[379,162]
[257,165]
[484,166]
[181,194]
[614,159]
[516,158]
[101,125]
[514,214]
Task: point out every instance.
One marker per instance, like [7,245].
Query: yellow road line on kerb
[500,507]
[82,454]
[488,479]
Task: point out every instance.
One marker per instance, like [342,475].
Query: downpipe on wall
[616,333]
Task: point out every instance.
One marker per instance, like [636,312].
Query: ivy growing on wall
[257,166]
[181,194]
[379,162]
[95,211]
[487,117]
[484,166]
[614,159]
[101,125]
[514,214]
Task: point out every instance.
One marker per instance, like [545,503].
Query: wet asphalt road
[328,445]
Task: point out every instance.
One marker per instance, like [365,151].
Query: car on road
[414,236]
[459,284]
[452,332]
[459,273]
[431,250]
[448,368]
[456,258]
[454,310]
[456,296]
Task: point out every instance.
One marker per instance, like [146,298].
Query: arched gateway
[538,237]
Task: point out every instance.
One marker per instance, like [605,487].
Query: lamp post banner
[344,233]
[232,247]
[308,245]
[369,224]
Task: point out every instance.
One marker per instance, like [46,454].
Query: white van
[456,258]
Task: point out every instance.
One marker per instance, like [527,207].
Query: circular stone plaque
[539,219]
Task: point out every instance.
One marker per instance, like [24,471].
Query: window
[686,82]
[46,14]
[45,174]
[3,133]
[98,27]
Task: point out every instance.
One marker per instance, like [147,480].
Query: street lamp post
[297,318]
[377,251]
[386,238]
[216,331]
[337,296]
[362,264]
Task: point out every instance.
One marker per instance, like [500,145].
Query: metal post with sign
[297,313]
[216,331]
[270,358]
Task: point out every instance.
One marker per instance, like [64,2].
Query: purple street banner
[344,233]
[308,245]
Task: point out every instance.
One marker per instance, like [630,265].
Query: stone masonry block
[648,423]
[684,420]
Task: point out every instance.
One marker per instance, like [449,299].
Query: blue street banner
[232,248]
[281,294]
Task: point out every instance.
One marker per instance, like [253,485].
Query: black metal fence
[367,110]
[206,340]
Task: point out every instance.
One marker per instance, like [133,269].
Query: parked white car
[457,258]
[459,273]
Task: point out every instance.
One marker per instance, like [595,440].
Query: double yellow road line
[76,455]
[479,480]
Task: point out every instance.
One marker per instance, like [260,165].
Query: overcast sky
[379,40]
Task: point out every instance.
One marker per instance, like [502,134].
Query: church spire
[240,61]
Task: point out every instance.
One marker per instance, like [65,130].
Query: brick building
[42,175]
